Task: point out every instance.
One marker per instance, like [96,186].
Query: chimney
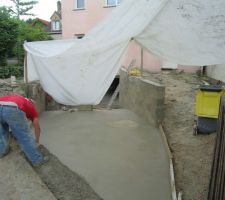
[59,6]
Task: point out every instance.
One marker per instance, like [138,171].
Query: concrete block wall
[35,91]
[144,97]
[45,102]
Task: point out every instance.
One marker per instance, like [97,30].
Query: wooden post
[116,92]
[25,68]
[142,55]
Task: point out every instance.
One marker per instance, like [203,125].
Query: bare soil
[192,154]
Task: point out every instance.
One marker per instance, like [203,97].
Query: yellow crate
[208,103]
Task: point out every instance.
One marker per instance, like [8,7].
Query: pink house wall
[81,21]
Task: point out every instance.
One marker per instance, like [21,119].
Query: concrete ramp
[120,155]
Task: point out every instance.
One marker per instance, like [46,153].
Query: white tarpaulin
[78,72]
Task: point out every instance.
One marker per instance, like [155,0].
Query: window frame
[55,24]
[112,5]
[79,8]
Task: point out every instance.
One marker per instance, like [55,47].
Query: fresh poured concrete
[120,155]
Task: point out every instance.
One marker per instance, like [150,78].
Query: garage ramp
[120,155]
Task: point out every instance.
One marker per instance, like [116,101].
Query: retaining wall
[35,91]
[144,97]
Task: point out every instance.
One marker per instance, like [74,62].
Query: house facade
[55,23]
[80,16]
[54,26]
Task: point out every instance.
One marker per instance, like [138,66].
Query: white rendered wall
[217,72]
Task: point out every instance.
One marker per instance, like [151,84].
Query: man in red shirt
[14,112]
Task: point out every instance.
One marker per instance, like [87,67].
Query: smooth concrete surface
[144,97]
[121,156]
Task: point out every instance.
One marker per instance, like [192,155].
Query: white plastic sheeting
[188,32]
[78,72]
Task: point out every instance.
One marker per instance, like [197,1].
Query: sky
[44,9]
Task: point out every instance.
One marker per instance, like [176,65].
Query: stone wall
[144,97]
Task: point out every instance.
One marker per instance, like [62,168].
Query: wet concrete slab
[120,155]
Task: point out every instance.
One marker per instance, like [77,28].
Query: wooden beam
[116,92]
[25,68]
[142,61]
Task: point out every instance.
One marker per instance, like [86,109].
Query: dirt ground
[192,154]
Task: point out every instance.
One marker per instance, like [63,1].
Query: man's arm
[37,129]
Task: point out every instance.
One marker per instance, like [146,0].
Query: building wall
[216,72]
[81,21]
[57,36]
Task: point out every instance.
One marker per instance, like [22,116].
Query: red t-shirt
[24,104]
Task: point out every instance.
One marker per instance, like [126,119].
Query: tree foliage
[13,33]
[22,7]
[8,34]
[29,32]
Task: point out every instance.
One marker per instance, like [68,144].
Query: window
[79,4]
[55,25]
[113,2]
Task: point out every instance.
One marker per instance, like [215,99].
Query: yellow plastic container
[135,72]
[208,102]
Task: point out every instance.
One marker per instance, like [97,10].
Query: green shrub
[11,70]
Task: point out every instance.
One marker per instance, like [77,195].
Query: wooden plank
[172,176]
[220,165]
[112,99]
[221,193]
[25,68]
[165,141]
[215,171]
[142,61]
[218,185]
[172,181]
[131,65]
[179,196]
